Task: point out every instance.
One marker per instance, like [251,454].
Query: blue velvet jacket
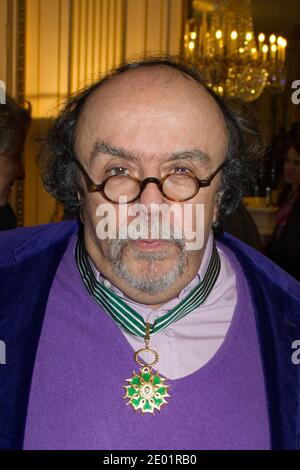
[29,258]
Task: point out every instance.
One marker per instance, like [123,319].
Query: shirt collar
[202,270]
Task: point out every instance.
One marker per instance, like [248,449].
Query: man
[207,327]
[14,123]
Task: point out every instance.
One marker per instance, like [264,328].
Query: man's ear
[218,199]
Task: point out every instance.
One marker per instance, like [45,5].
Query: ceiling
[277,16]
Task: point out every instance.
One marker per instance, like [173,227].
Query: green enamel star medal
[147,391]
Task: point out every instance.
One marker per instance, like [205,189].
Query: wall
[47,82]
[3,39]
[8,46]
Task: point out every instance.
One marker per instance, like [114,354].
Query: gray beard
[150,281]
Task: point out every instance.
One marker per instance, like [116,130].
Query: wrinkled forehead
[158,101]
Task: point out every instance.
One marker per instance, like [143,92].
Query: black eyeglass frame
[99,188]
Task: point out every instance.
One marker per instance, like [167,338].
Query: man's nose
[151,194]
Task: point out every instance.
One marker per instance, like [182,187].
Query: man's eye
[118,170]
[181,170]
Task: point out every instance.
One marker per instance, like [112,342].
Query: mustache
[153,231]
[118,245]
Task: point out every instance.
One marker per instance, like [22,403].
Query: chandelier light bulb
[234,35]
[261,37]
[272,39]
[280,40]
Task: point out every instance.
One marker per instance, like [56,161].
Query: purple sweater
[83,360]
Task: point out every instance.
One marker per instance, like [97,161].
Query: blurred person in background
[284,247]
[14,123]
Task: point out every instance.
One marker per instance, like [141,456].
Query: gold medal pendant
[147,391]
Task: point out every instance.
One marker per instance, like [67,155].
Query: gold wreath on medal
[147,391]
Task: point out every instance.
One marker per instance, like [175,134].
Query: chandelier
[219,39]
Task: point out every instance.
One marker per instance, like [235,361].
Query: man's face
[146,118]
[11,169]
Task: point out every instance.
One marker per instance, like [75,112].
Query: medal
[147,391]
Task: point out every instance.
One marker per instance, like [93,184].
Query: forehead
[156,110]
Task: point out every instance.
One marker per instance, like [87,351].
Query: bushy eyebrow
[191,154]
[194,154]
[102,147]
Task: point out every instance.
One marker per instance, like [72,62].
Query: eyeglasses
[175,186]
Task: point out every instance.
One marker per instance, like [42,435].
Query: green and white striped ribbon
[125,316]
